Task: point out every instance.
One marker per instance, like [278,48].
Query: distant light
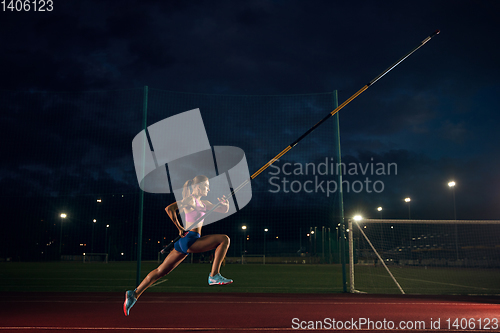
[107,225]
[122,253]
[266,230]
[63,215]
[244,227]
[276,237]
[94,220]
[308,235]
[312,232]
[407,199]
[451,184]
[379,209]
[99,200]
[392,227]
[357,218]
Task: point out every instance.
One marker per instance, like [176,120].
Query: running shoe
[218,280]
[129,301]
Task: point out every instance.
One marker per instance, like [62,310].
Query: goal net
[424,256]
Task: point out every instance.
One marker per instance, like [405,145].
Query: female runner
[191,242]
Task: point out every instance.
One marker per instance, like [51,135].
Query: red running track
[230,312]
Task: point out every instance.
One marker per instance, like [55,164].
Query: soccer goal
[95,257]
[424,256]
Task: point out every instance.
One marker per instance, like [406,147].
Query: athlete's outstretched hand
[224,201]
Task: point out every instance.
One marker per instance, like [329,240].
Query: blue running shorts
[183,244]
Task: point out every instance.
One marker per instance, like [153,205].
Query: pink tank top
[195,214]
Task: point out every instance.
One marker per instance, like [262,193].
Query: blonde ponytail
[187,189]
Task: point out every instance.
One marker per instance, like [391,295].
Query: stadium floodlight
[244,227]
[380,211]
[357,218]
[407,199]
[451,184]
[63,215]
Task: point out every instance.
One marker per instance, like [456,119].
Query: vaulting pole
[309,131]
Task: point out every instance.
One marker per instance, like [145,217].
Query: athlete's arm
[172,213]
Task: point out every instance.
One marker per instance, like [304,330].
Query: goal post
[424,256]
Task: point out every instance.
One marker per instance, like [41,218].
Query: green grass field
[120,276]
[428,281]
[251,278]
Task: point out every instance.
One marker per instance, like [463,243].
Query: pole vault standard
[284,151]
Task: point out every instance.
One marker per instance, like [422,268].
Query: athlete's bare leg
[171,261]
[210,242]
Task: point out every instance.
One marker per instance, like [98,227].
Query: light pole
[310,235]
[92,240]
[98,201]
[265,236]
[106,243]
[350,235]
[63,216]
[338,243]
[243,228]
[408,200]
[381,230]
[315,240]
[323,243]
[452,184]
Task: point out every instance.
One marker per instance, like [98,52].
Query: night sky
[435,115]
